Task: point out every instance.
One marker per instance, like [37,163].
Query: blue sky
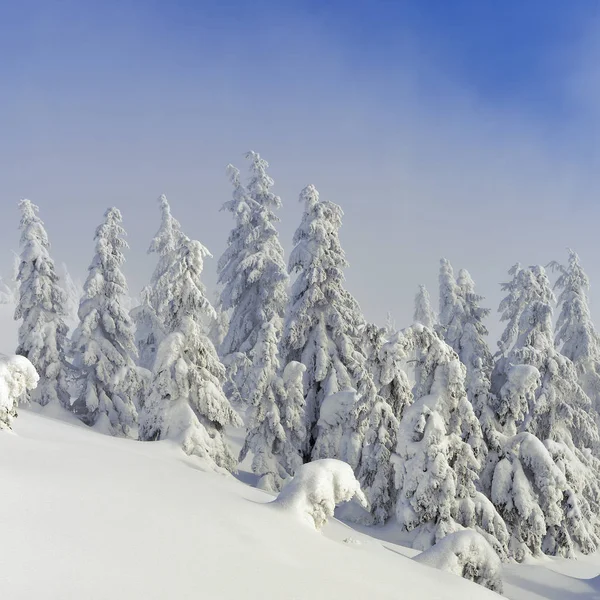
[458,129]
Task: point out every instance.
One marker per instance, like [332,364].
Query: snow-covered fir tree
[386,368]
[276,455]
[74,292]
[438,450]
[149,316]
[576,335]
[462,327]
[293,417]
[451,315]
[149,330]
[561,410]
[541,474]
[376,473]
[103,344]
[423,311]
[186,401]
[323,331]
[252,273]
[472,349]
[376,470]
[545,491]
[41,308]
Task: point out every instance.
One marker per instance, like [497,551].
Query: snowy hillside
[85,515]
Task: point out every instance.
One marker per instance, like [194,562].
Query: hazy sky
[459,129]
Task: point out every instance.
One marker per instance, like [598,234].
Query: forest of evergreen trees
[442,432]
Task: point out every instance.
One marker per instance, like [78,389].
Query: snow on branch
[317,488]
[17,376]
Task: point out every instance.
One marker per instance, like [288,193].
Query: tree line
[442,433]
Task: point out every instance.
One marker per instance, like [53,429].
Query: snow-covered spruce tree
[293,417]
[103,345]
[41,302]
[423,312]
[186,401]
[323,330]
[463,329]
[576,336]
[472,349]
[451,315]
[438,456]
[542,475]
[276,454]
[386,368]
[149,330]
[150,315]
[165,244]
[265,437]
[74,292]
[376,470]
[561,411]
[252,272]
[541,489]
[393,395]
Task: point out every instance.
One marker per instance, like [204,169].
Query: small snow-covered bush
[317,488]
[17,376]
[468,554]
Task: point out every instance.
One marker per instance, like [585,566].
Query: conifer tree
[386,369]
[576,336]
[541,476]
[561,410]
[103,344]
[423,312]
[149,317]
[323,330]
[439,457]
[149,330]
[462,327]
[472,349]
[41,307]
[293,417]
[73,290]
[276,455]
[186,402]
[393,395]
[253,274]
[451,308]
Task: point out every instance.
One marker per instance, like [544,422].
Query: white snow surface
[86,515]
[468,554]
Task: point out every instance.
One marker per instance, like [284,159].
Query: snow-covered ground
[85,515]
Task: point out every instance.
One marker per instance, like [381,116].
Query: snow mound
[468,554]
[317,488]
[17,376]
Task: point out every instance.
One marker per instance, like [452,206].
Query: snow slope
[88,516]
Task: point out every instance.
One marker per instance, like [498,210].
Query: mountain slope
[85,515]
